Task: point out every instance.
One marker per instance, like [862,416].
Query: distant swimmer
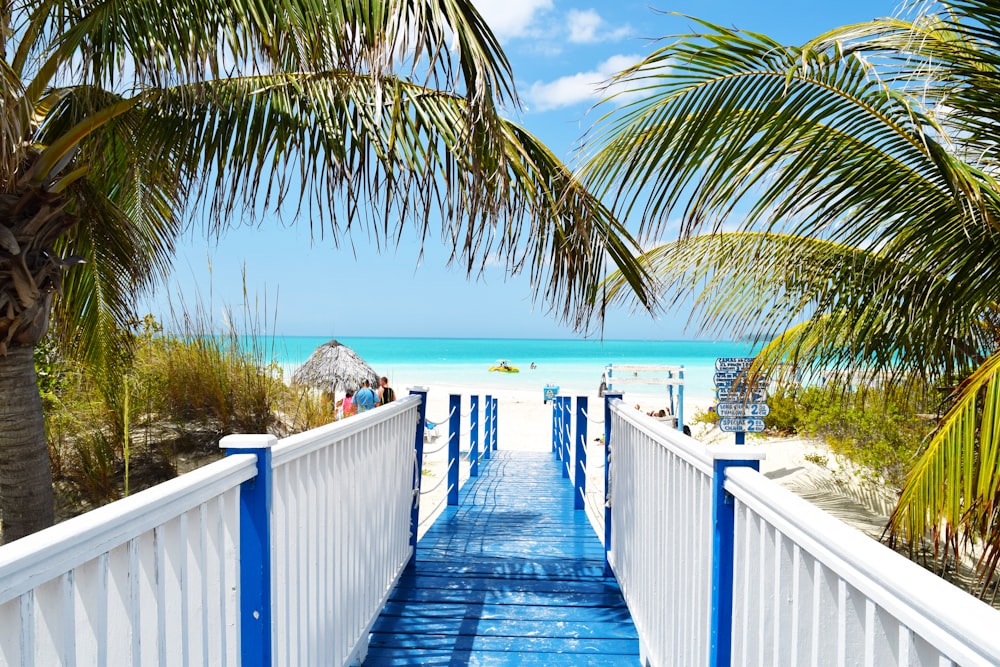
[532,366]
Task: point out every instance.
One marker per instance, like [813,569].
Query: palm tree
[123,120]
[840,200]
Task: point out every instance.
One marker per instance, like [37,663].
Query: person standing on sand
[385,392]
[347,405]
[364,398]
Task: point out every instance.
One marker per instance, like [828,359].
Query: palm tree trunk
[26,498]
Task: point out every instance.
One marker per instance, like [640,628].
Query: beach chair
[430,432]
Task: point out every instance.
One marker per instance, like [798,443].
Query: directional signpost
[742,406]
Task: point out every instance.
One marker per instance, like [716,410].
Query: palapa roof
[334,366]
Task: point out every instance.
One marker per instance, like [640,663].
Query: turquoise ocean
[574,365]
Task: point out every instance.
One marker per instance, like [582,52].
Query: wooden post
[608,397]
[680,401]
[567,411]
[488,434]
[723,550]
[257,592]
[474,437]
[496,421]
[454,433]
[418,444]
[580,491]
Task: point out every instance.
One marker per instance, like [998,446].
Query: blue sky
[559,50]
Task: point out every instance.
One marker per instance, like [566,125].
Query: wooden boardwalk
[511,576]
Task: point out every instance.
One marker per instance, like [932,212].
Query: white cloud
[587,27]
[580,87]
[511,18]
[583,25]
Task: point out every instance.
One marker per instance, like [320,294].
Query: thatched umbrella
[333,365]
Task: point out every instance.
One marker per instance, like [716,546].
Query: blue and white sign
[741,396]
[742,409]
[726,382]
[745,424]
[733,364]
[742,405]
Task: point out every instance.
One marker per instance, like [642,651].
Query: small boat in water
[503,366]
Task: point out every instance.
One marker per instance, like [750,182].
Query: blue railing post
[493,429]
[418,444]
[608,397]
[496,420]
[567,411]
[557,417]
[488,435]
[580,481]
[555,426]
[723,555]
[474,437]
[256,581]
[680,401]
[568,432]
[454,433]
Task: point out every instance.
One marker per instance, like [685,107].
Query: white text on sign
[745,424]
[742,409]
[733,363]
[740,396]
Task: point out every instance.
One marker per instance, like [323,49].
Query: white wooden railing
[283,555]
[343,495]
[151,579]
[719,565]
[812,590]
[661,489]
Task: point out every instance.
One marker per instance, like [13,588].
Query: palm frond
[869,310]
[952,489]
[733,124]
[408,162]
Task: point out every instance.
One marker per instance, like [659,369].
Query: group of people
[366,397]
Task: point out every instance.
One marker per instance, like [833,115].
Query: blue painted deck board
[511,576]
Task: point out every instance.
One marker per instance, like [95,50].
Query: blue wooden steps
[511,576]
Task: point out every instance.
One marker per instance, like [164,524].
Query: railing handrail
[47,554]
[967,632]
[301,444]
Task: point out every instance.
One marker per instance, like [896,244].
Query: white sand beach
[803,466]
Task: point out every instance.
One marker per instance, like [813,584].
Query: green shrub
[705,417]
[880,430]
[125,427]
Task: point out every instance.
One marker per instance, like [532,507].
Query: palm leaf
[953,487]
[759,285]
[412,161]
